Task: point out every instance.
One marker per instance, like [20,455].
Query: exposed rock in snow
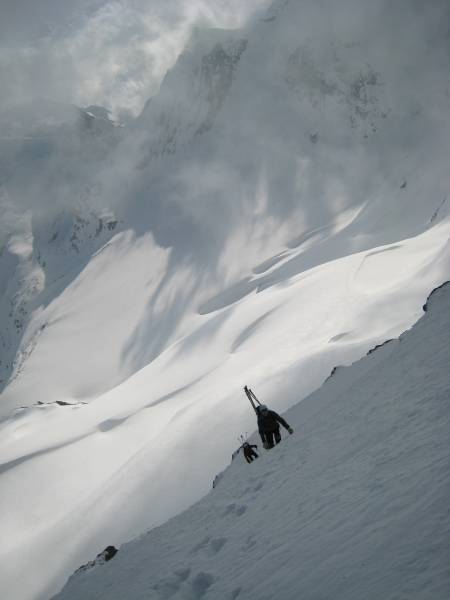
[103,557]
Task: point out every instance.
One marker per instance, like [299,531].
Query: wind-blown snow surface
[353,505]
[280,207]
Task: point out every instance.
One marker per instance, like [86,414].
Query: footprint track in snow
[166,588]
[250,542]
[217,544]
[235,509]
[211,546]
[201,545]
[201,583]
[180,584]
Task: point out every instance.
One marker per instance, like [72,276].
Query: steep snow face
[37,260]
[353,505]
[279,208]
[22,280]
[51,221]
[193,92]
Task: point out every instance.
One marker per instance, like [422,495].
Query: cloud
[112,53]
[25,21]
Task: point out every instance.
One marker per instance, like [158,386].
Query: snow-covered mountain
[280,207]
[50,224]
[353,505]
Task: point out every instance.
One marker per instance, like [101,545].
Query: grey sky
[23,21]
[109,52]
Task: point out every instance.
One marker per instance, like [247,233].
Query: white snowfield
[279,208]
[353,505]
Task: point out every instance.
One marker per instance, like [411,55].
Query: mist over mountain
[279,206]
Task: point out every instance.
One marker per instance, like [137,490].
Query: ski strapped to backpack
[252,399]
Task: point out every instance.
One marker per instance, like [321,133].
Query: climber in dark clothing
[269,426]
[249,453]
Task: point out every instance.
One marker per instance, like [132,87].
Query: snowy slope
[50,223]
[130,448]
[280,207]
[353,505]
[260,141]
